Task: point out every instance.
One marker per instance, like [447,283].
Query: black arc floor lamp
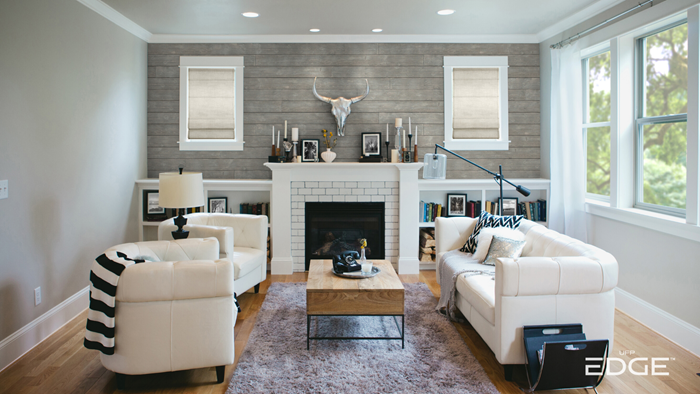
[436,168]
[180,190]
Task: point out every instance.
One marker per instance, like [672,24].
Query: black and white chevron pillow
[487,220]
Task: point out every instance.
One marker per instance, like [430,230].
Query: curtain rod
[569,40]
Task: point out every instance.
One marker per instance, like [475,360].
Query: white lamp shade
[184,190]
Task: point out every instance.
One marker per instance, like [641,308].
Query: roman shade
[475,101]
[211,104]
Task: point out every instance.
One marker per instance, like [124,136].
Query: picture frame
[510,206]
[152,212]
[371,144]
[457,205]
[218,204]
[310,150]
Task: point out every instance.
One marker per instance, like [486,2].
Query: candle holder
[294,151]
[386,153]
[287,148]
[274,150]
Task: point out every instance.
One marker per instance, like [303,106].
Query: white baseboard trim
[674,329]
[24,339]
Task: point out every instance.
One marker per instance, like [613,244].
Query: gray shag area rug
[435,360]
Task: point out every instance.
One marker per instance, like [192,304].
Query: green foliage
[664,144]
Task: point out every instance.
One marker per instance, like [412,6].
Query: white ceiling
[354,17]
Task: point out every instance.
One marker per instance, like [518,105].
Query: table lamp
[435,167]
[181,190]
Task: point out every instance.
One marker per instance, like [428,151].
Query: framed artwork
[456,205]
[152,212]
[218,204]
[510,206]
[371,144]
[309,150]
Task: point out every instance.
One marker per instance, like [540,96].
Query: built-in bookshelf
[236,191]
[482,192]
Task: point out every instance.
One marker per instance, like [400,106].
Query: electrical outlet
[3,189]
[37,296]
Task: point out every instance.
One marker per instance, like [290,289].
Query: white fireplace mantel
[328,176]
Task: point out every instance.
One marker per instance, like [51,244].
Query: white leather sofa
[242,239]
[174,313]
[557,280]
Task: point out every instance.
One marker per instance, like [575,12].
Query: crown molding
[117,18]
[343,38]
[575,19]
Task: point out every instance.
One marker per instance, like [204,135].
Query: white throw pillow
[486,235]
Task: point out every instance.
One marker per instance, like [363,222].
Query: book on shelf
[261,208]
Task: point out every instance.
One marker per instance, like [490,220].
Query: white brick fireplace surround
[294,184]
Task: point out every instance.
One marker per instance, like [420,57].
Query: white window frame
[499,62]
[233,62]
[585,55]
[641,121]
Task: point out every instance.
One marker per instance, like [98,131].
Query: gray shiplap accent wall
[405,80]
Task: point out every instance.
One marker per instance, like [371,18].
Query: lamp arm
[499,177]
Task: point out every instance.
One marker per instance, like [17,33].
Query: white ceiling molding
[573,20]
[117,18]
[344,38]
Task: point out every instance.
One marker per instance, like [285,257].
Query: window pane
[475,101]
[664,164]
[667,72]
[598,160]
[599,88]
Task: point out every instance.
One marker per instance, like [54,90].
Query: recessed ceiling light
[250,14]
[446,12]
[314,30]
[377,30]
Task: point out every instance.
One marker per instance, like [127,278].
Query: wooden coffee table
[330,295]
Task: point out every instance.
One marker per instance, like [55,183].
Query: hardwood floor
[61,364]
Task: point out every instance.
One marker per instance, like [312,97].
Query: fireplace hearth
[334,227]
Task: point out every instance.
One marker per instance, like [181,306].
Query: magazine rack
[563,361]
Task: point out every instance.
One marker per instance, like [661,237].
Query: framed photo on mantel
[309,150]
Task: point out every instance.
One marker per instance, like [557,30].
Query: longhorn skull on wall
[340,107]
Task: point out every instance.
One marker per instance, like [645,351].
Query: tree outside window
[597,123]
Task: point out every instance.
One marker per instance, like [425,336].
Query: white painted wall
[658,268]
[72,144]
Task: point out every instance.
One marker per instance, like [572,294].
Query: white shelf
[426,224]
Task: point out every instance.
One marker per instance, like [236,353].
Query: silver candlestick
[397,138]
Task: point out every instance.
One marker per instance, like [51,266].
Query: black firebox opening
[335,227]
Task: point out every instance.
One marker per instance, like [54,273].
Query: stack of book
[261,208]
[534,210]
[431,210]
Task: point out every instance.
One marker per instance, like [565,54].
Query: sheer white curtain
[567,199]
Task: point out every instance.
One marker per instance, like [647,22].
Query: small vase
[328,156]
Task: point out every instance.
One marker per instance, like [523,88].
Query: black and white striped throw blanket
[104,277]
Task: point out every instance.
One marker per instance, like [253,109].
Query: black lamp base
[180,222]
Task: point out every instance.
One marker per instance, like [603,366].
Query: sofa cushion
[486,235]
[486,220]
[479,291]
[245,260]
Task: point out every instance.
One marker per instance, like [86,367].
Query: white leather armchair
[557,280]
[242,240]
[175,312]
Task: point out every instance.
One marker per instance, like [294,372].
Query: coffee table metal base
[401,331]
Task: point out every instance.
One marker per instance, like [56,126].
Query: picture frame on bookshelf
[152,212]
[509,206]
[371,144]
[309,150]
[456,205]
[218,204]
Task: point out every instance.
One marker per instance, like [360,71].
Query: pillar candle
[398,122]
[285,129]
[295,134]
[394,156]
[403,139]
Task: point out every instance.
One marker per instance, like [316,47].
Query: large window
[662,103]
[476,102]
[211,103]
[596,123]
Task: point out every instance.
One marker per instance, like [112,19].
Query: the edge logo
[634,366]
